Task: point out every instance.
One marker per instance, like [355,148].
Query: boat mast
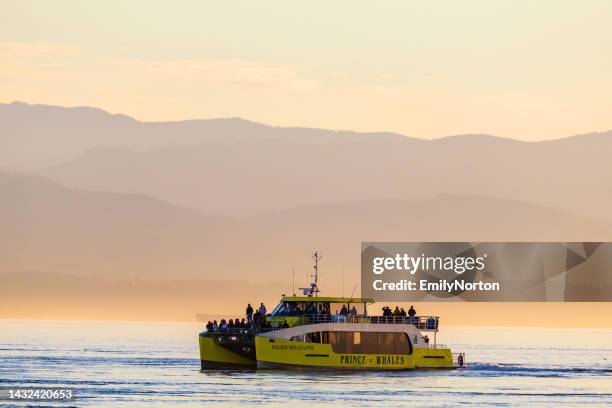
[314,289]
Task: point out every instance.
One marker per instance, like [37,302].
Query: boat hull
[284,353]
[219,355]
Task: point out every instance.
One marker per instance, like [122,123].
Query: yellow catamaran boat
[311,331]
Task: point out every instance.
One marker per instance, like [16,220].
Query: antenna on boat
[314,289]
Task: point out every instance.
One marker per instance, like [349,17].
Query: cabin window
[288,309]
[283,309]
[368,342]
[277,309]
[311,308]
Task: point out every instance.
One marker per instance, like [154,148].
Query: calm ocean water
[144,364]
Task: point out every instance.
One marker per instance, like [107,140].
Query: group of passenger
[345,311]
[259,319]
[430,323]
[254,320]
[224,325]
[398,312]
[261,311]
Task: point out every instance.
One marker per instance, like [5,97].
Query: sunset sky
[520,69]
[526,70]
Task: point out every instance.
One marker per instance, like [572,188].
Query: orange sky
[519,69]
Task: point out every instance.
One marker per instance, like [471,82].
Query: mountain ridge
[102,112]
[215,177]
[48,227]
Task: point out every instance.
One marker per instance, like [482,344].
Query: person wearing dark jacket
[411,311]
[249,313]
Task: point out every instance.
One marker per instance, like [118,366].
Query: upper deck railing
[420,322]
[424,323]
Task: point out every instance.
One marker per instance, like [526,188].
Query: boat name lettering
[390,360]
[352,359]
[291,347]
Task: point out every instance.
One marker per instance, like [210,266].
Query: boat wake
[522,370]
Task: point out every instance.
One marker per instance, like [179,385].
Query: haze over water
[137,364]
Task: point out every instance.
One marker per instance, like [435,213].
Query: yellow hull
[274,353]
[215,356]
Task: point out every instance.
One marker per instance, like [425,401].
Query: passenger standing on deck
[396,312]
[386,311]
[402,312]
[249,314]
[262,309]
[411,311]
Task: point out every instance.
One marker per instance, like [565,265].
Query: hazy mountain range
[235,167]
[42,135]
[99,196]
[46,226]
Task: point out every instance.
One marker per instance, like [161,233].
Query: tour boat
[317,332]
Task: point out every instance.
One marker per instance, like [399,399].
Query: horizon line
[362,132]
